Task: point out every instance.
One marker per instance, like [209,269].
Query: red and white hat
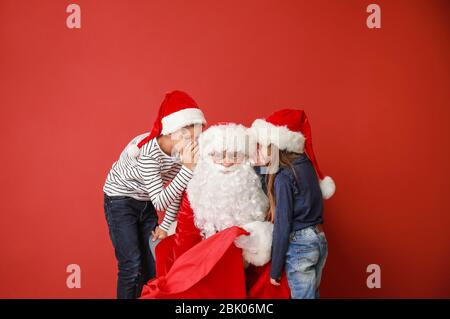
[177,110]
[290,130]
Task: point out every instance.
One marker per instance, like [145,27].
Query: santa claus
[222,244]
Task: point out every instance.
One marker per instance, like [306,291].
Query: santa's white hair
[224,197]
[229,137]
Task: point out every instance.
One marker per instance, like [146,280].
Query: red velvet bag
[189,267]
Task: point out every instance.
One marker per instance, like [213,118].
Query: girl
[151,174]
[296,200]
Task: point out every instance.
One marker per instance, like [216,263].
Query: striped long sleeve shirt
[152,176]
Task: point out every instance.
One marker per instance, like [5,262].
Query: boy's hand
[158,233]
[274,282]
[189,155]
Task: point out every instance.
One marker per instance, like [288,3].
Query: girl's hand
[158,233]
[189,155]
[274,282]
[260,158]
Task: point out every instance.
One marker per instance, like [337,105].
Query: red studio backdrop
[378,101]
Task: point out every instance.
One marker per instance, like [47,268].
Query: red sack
[211,269]
[189,267]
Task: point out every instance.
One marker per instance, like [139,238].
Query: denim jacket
[299,204]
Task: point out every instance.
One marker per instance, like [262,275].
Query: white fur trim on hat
[224,137]
[256,247]
[328,187]
[182,118]
[266,133]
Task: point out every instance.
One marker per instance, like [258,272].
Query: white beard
[223,198]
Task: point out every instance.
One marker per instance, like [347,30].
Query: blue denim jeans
[130,224]
[305,259]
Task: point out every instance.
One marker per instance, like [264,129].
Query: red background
[378,101]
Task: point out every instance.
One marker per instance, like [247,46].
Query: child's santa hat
[290,130]
[177,110]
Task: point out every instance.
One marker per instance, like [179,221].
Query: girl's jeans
[305,259]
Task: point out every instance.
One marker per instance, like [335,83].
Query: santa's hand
[158,233]
[256,247]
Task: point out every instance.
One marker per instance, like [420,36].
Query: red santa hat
[177,110]
[290,130]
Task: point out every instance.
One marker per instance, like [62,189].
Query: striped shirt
[152,176]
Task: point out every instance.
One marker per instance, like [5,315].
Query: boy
[151,174]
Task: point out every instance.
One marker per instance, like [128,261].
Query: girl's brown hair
[285,159]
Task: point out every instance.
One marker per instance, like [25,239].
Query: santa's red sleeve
[186,236]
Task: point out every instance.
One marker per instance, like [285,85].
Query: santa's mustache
[226,169]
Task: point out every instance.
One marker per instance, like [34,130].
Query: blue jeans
[305,259]
[130,224]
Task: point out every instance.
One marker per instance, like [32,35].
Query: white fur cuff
[256,247]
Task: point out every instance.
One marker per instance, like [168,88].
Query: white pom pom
[133,150]
[327,187]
